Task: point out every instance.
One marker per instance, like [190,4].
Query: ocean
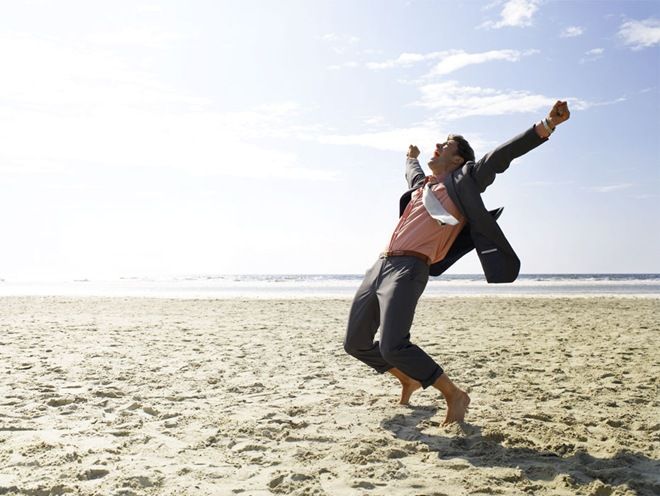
[335,286]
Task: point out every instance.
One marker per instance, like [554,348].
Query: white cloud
[460,59]
[342,38]
[201,142]
[492,5]
[424,134]
[516,13]
[406,60]
[572,32]
[345,65]
[610,188]
[450,60]
[593,54]
[371,51]
[453,101]
[48,72]
[86,107]
[585,105]
[374,120]
[389,140]
[339,43]
[640,34]
[148,37]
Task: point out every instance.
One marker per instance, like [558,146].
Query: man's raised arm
[414,172]
[497,161]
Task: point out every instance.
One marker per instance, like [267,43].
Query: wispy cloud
[424,134]
[396,139]
[610,188]
[346,65]
[460,59]
[586,105]
[640,34]
[339,43]
[595,51]
[89,107]
[406,60]
[593,54]
[515,13]
[572,32]
[450,60]
[375,120]
[340,38]
[453,101]
[143,36]
[51,73]
[201,142]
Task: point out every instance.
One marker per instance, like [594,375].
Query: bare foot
[457,406]
[407,390]
[408,384]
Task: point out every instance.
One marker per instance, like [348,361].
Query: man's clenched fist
[558,114]
[413,151]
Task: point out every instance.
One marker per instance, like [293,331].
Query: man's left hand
[558,114]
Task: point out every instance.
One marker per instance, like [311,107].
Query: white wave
[303,286]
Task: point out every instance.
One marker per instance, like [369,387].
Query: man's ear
[457,160]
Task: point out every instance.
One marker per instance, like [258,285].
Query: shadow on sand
[639,472]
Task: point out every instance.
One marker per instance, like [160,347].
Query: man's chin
[434,168]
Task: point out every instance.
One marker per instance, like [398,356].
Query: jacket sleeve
[414,173]
[497,161]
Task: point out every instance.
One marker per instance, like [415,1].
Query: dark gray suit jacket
[464,186]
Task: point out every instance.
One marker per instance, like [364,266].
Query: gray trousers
[387,299]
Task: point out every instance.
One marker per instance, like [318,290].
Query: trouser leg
[403,282]
[363,322]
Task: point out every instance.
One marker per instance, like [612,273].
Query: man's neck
[439,174]
[442,170]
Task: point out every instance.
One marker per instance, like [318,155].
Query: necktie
[435,208]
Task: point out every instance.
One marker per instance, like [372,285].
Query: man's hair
[464,149]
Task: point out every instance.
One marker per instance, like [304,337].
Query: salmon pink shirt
[418,231]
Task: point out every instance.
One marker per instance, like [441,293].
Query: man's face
[445,157]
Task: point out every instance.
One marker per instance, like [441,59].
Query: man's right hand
[413,151]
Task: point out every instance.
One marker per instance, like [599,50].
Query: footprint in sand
[109,393]
[60,401]
[93,473]
[141,481]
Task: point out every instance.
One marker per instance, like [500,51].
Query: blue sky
[164,138]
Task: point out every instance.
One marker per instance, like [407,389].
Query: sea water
[333,286]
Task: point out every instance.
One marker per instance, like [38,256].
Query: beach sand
[114,396]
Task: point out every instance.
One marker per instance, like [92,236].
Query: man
[442,217]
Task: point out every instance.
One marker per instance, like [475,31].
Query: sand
[219,397]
